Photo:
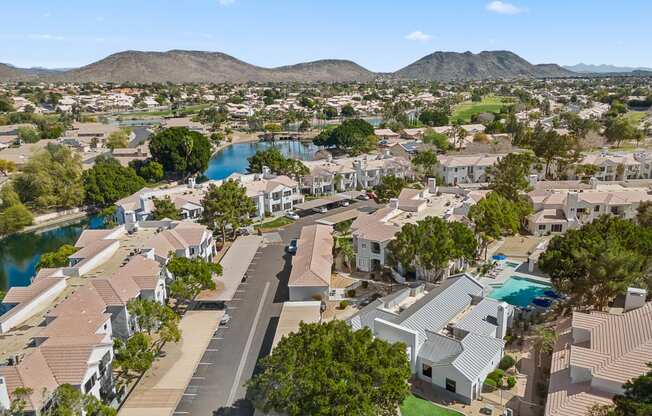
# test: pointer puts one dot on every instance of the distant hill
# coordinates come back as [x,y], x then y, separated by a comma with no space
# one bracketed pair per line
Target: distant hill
[603,69]
[195,66]
[180,66]
[450,66]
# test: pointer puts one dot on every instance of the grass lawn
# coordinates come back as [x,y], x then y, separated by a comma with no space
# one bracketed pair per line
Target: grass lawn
[467,109]
[635,117]
[275,223]
[415,406]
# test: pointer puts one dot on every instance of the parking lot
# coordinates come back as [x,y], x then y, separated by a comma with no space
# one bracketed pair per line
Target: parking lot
[230,358]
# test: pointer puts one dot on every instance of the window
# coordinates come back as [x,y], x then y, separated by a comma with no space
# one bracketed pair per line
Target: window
[542,227]
[451,385]
[426,370]
[556,228]
[596,208]
[89,384]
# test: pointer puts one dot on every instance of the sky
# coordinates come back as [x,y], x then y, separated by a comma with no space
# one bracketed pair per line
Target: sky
[381,35]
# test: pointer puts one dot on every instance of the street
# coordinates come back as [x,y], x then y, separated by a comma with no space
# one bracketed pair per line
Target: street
[217,386]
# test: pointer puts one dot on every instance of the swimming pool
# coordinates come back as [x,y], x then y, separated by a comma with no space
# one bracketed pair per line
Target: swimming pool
[519,291]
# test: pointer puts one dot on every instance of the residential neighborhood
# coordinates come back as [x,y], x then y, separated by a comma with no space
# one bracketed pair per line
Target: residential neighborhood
[183,232]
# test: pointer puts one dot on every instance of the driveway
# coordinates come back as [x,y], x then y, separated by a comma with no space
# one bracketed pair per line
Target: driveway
[231,356]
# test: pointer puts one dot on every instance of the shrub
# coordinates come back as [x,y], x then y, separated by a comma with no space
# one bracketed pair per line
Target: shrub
[490,385]
[506,362]
[511,382]
[350,293]
[343,304]
[497,376]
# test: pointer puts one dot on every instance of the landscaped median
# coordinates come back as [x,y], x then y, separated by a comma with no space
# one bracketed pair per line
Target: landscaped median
[416,406]
[273,224]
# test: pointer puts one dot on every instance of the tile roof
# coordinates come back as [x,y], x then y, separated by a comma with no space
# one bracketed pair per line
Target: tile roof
[312,264]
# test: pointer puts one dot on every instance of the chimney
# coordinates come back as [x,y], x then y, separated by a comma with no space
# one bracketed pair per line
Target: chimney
[191,182]
[533,179]
[503,320]
[143,202]
[571,205]
[393,203]
[387,154]
[634,299]
[267,172]
[432,185]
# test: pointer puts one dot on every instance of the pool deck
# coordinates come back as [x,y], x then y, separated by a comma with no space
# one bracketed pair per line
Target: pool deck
[508,272]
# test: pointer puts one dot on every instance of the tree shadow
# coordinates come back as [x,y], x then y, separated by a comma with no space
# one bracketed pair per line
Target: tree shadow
[282,290]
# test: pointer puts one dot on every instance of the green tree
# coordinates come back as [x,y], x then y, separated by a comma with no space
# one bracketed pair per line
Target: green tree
[165,208]
[227,206]
[495,216]
[133,356]
[551,146]
[108,181]
[7,166]
[619,130]
[430,245]
[426,162]
[329,112]
[118,139]
[6,104]
[390,187]
[14,218]
[593,264]
[152,316]
[347,111]
[353,136]
[149,170]
[52,178]
[328,369]
[644,214]
[438,139]
[277,163]
[544,342]
[509,176]
[273,128]
[57,258]
[67,400]
[345,249]
[28,134]
[8,196]
[180,151]
[191,276]
[434,117]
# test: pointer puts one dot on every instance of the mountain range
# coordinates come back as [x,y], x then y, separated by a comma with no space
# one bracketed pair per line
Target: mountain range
[180,66]
[604,69]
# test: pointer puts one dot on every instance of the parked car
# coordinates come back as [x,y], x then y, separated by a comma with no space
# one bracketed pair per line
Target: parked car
[321,209]
[292,247]
[344,203]
[363,197]
[371,194]
[292,215]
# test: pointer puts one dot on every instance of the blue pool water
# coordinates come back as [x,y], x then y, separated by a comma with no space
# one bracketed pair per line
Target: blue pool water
[519,291]
[233,158]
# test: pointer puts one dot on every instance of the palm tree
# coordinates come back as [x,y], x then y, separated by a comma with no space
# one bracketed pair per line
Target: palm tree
[544,342]
[345,249]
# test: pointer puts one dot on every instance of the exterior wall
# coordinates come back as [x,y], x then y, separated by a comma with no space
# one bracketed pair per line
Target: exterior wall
[395,333]
[28,310]
[121,323]
[607,386]
[463,386]
[365,256]
[307,292]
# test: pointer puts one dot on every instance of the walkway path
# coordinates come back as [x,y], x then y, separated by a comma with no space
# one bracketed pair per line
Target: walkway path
[163,386]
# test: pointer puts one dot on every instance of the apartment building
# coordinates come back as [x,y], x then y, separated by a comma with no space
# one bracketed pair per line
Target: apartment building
[180,238]
[453,334]
[463,169]
[272,195]
[312,264]
[596,353]
[619,166]
[558,210]
[140,205]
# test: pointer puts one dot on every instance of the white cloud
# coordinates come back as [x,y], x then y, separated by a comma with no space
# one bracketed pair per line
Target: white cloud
[225,2]
[418,36]
[504,8]
[45,36]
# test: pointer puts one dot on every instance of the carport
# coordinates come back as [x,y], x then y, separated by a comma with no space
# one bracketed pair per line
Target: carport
[339,217]
[327,200]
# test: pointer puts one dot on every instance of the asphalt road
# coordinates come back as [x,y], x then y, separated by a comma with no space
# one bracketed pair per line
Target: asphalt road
[217,387]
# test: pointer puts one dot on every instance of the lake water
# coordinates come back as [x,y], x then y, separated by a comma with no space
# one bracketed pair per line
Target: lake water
[233,158]
[20,253]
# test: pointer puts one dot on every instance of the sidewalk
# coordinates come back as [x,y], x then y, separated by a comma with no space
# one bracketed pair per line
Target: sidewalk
[161,388]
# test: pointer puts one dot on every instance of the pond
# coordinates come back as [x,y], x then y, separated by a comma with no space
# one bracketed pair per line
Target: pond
[20,253]
[233,158]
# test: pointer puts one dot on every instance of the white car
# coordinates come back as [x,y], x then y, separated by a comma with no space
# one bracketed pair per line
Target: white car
[321,210]
[292,215]
[345,203]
